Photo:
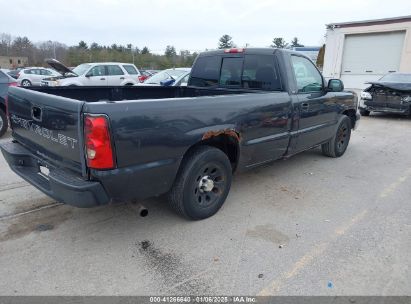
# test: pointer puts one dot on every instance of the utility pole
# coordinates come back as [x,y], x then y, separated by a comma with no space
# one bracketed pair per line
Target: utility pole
[132,51]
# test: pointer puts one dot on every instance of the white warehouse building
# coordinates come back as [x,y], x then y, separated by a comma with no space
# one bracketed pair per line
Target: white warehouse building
[357,52]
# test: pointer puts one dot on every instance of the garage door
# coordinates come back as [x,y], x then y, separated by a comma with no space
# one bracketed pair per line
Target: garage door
[367,57]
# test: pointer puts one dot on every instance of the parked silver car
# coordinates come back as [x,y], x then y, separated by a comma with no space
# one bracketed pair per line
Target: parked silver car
[33,76]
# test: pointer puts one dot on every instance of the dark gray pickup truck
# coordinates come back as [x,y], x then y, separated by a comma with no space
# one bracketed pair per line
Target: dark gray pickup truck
[242,108]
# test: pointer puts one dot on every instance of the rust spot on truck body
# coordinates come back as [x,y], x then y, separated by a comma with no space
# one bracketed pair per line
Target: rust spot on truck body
[229,132]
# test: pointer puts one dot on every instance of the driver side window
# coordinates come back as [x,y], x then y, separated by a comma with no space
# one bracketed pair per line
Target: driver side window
[99,70]
[307,76]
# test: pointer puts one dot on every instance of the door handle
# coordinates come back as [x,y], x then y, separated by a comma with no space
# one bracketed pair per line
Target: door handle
[121,78]
[102,79]
[305,105]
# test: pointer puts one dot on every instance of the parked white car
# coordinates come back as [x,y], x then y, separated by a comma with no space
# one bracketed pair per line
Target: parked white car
[93,74]
[33,76]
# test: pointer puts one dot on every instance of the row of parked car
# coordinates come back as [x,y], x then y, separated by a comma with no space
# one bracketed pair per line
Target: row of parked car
[97,74]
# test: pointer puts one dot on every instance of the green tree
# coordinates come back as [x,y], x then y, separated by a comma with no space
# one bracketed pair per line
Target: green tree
[170,51]
[279,42]
[295,42]
[225,42]
[94,46]
[82,45]
[145,50]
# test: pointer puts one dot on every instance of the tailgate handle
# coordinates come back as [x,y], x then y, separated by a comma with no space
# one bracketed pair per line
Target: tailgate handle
[36,113]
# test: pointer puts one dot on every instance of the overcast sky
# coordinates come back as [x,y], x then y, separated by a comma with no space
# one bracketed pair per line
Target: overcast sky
[187,24]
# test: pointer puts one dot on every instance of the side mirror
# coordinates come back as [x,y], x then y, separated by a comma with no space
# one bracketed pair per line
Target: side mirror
[335,85]
[88,75]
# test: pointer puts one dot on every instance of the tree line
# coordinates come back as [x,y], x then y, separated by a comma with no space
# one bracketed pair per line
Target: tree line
[82,52]
[226,42]
[75,55]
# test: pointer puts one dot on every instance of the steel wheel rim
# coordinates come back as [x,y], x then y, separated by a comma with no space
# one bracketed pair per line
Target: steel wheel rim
[25,83]
[211,174]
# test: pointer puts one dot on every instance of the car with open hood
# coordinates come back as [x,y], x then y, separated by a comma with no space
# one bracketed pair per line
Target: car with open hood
[390,94]
[93,74]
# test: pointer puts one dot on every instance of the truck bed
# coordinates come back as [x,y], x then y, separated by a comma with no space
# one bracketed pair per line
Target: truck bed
[115,93]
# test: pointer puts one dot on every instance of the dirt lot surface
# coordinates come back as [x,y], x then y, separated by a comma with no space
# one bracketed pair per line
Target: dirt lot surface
[310,225]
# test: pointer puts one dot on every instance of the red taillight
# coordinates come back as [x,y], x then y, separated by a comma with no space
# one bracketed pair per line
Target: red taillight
[99,151]
[234,51]
[141,78]
[13,84]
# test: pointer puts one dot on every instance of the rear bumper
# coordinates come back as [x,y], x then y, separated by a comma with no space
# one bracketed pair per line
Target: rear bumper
[61,185]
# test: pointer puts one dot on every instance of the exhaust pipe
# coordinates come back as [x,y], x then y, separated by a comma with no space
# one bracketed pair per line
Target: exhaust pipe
[141,210]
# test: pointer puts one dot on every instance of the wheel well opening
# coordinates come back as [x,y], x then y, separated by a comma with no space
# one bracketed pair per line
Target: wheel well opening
[352,115]
[3,107]
[226,143]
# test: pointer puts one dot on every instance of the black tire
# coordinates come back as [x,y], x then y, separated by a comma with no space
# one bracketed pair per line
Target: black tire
[364,112]
[337,146]
[3,123]
[190,196]
[26,83]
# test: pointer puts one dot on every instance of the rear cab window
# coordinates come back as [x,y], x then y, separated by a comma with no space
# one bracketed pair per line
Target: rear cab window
[251,72]
[206,71]
[231,70]
[261,73]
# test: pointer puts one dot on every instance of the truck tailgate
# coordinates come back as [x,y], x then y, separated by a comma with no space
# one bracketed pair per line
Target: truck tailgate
[49,126]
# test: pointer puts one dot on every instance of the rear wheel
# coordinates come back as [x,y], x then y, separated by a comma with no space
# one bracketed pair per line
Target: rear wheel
[26,83]
[202,184]
[337,146]
[3,123]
